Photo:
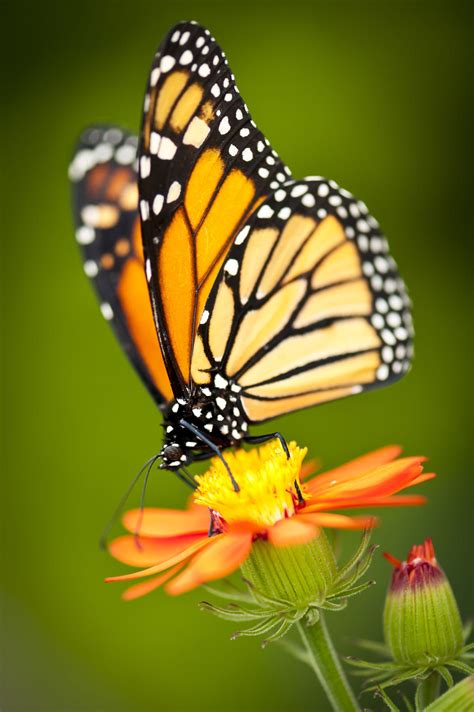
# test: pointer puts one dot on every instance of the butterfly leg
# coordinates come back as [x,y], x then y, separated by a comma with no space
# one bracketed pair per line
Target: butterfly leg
[185,477]
[212,446]
[269,436]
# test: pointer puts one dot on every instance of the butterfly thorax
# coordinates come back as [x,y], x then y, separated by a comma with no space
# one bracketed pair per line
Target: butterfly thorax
[215,412]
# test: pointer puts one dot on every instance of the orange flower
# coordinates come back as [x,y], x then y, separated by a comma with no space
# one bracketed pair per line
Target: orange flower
[275,502]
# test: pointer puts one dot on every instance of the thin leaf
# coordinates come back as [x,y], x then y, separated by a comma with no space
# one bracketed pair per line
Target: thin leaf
[380,692]
[409,675]
[230,614]
[279,633]
[467,630]
[357,662]
[357,589]
[260,629]
[353,561]
[446,675]
[463,667]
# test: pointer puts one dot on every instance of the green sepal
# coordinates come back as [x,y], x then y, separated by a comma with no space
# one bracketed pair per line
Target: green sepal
[289,584]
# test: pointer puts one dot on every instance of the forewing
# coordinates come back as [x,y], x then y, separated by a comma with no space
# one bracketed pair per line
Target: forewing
[309,305]
[105,204]
[204,167]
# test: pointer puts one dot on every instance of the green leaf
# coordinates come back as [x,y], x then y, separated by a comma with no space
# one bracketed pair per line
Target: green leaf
[390,704]
[446,675]
[345,570]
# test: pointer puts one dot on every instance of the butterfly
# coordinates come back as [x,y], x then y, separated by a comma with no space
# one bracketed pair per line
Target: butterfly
[238,293]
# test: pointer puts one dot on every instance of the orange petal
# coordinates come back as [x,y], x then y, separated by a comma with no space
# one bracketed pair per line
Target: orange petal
[356,467]
[339,521]
[294,530]
[145,551]
[403,500]
[223,556]
[385,480]
[166,564]
[141,589]
[308,468]
[167,522]
[423,478]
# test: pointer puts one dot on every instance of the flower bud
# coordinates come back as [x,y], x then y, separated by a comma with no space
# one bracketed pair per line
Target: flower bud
[421,618]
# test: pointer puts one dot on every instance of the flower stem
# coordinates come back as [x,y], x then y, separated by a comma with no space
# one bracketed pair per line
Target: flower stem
[325,663]
[429,690]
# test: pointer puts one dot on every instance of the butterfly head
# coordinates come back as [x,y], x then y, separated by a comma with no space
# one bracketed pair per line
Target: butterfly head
[173,456]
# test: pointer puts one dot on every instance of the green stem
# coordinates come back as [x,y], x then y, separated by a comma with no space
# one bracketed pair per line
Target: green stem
[325,663]
[429,690]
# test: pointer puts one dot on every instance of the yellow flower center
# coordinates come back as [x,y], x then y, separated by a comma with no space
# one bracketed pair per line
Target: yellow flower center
[266,478]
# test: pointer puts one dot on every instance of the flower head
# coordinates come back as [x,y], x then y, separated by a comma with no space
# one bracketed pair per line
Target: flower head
[421,618]
[275,503]
[420,568]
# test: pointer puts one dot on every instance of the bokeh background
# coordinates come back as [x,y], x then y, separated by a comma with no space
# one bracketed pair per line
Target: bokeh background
[372,94]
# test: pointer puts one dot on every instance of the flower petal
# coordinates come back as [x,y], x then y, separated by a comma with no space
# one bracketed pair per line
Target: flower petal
[224,555]
[145,551]
[141,589]
[423,478]
[349,470]
[167,522]
[288,532]
[339,521]
[403,500]
[308,468]
[166,564]
[385,480]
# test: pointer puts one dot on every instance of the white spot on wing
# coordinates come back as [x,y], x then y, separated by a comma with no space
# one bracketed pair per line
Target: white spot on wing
[224,126]
[158,204]
[174,192]
[167,63]
[219,381]
[167,149]
[231,267]
[196,133]
[90,268]
[85,235]
[107,311]
[265,212]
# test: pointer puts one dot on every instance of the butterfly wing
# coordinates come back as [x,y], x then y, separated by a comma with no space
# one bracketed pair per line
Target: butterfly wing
[204,167]
[308,307]
[105,203]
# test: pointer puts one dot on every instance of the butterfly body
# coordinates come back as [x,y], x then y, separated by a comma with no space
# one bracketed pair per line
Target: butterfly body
[214,412]
[238,293]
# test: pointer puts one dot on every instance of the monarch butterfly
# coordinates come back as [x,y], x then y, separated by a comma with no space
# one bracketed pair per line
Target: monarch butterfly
[238,293]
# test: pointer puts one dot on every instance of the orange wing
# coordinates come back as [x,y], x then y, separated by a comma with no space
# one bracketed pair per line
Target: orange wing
[204,167]
[108,230]
[309,305]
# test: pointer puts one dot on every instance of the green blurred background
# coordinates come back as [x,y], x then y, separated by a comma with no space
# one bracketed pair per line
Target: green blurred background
[372,94]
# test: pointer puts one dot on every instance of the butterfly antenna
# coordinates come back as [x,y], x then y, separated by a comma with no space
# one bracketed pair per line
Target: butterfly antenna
[138,526]
[214,449]
[121,504]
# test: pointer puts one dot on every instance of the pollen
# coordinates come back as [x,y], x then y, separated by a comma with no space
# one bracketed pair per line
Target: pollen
[269,482]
